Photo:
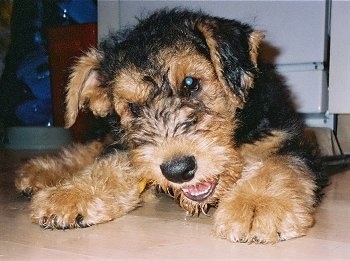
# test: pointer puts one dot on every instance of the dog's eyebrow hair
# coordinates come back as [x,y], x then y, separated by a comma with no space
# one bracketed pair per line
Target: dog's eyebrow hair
[148,78]
[157,88]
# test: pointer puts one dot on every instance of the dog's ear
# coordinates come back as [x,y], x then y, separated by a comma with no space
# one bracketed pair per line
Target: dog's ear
[233,50]
[84,89]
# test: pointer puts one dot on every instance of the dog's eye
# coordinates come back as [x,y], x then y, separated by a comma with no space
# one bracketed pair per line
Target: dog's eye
[190,85]
[135,109]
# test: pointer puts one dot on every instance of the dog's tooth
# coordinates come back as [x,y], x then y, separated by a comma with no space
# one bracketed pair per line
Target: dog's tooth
[203,187]
[198,190]
[194,191]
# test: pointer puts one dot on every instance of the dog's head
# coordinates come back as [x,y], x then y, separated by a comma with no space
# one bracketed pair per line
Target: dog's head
[175,80]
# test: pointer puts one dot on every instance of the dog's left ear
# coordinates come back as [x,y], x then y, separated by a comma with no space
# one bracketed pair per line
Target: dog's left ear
[84,90]
[234,53]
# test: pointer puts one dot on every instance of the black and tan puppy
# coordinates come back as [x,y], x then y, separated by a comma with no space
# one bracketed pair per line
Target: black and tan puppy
[194,114]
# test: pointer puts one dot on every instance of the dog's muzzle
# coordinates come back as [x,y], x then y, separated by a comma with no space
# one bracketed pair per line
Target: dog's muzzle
[183,169]
[180,169]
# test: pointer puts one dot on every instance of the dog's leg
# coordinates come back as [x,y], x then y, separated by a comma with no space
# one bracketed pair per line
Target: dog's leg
[102,192]
[273,201]
[47,171]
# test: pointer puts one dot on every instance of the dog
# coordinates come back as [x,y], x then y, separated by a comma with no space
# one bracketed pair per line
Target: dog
[193,112]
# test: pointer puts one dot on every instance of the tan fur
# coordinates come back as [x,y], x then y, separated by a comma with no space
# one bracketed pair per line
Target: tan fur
[48,171]
[264,148]
[260,196]
[206,29]
[274,199]
[255,39]
[101,192]
[131,86]
[84,90]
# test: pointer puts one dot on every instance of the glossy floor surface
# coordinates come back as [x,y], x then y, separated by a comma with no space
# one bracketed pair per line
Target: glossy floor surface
[161,231]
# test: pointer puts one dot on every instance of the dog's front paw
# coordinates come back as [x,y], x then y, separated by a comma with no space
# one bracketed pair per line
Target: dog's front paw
[32,177]
[261,220]
[68,207]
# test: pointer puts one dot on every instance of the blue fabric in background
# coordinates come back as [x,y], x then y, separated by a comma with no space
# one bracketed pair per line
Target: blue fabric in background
[25,77]
[81,11]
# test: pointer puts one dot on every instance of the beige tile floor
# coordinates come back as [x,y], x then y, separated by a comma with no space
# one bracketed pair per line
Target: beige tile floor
[161,231]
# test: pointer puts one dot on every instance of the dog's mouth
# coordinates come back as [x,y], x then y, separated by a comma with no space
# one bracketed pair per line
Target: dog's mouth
[200,191]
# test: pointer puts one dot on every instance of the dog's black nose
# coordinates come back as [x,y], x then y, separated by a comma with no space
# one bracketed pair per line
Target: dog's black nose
[180,169]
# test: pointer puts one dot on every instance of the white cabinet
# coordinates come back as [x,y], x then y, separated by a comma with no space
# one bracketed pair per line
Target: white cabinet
[339,70]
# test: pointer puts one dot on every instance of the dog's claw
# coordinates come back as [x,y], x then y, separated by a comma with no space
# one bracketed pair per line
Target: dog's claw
[27,192]
[55,222]
[43,222]
[80,221]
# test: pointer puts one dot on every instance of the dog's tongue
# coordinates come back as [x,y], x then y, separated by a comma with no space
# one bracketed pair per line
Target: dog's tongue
[199,191]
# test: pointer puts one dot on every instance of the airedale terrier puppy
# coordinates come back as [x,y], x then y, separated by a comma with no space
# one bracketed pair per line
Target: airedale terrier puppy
[193,112]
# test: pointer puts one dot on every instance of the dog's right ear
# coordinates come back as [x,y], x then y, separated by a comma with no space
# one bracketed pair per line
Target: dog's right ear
[233,49]
[84,90]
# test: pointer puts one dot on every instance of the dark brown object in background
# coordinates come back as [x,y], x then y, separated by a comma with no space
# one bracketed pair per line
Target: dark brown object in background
[65,45]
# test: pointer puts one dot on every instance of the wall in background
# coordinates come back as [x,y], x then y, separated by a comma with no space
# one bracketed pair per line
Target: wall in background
[339,64]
